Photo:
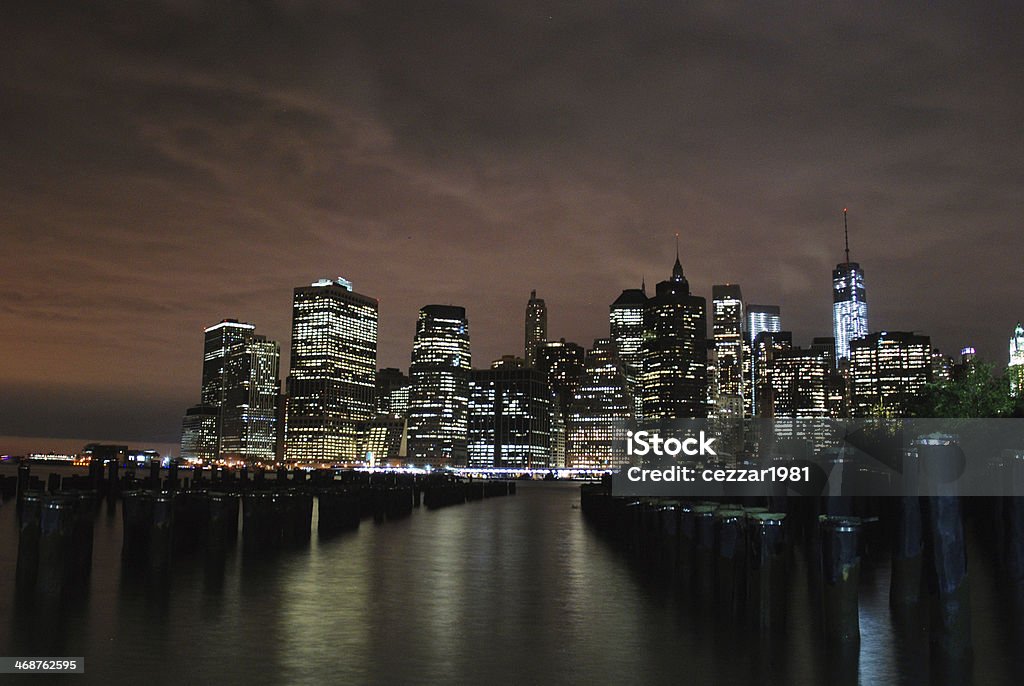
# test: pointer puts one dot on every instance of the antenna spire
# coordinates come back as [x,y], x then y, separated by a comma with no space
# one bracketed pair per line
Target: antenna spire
[846,236]
[677,246]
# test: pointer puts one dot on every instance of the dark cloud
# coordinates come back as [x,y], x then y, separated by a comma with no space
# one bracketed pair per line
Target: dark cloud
[169,164]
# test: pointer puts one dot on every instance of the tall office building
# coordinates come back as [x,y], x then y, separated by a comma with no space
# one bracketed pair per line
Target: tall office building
[799,385]
[674,378]
[626,324]
[727,350]
[331,383]
[600,414]
[767,347]
[536,327]
[439,395]
[849,303]
[249,418]
[237,418]
[219,339]
[1015,369]
[760,318]
[887,372]
[561,362]
[509,417]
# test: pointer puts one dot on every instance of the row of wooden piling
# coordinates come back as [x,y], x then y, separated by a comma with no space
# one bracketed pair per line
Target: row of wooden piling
[738,555]
[163,517]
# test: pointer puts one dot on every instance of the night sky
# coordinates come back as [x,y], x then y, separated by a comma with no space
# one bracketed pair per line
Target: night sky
[166,165]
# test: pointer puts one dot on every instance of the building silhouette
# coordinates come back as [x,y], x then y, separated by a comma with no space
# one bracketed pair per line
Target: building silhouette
[439,394]
[536,327]
[331,382]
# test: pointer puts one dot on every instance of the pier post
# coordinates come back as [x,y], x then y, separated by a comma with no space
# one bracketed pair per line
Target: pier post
[29,524]
[945,550]
[766,565]
[729,552]
[840,566]
[161,530]
[55,555]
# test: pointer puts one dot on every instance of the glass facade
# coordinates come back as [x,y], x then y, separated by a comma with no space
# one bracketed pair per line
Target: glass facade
[331,384]
[849,307]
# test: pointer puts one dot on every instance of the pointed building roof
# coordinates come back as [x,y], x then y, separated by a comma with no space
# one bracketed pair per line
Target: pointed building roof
[677,268]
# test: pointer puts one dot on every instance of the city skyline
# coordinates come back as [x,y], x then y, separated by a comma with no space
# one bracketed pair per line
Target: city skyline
[205,179]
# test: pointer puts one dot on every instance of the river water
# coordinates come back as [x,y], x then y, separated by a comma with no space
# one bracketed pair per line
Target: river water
[513,590]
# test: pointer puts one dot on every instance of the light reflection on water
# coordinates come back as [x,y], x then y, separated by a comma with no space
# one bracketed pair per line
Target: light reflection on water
[507,590]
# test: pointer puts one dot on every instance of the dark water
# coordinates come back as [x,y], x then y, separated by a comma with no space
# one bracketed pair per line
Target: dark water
[508,590]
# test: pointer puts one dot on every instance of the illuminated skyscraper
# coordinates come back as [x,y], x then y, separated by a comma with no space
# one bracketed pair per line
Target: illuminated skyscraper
[509,417]
[727,333]
[626,323]
[218,341]
[237,418]
[536,327]
[439,395]
[674,378]
[600,414]
[333,368]
[849,302]
[561,362]
[887,372]
[767,347]
[759,318]
[252,386]
[799,385]
[1015,370]
[762,318]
